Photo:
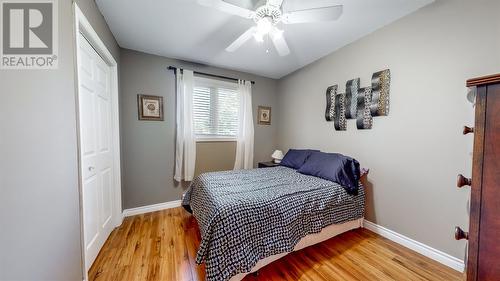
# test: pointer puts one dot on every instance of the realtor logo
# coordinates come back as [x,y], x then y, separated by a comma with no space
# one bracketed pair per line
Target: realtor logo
[29,34]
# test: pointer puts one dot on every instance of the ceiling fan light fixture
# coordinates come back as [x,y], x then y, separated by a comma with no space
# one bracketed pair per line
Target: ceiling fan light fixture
[264,26]
[259,37]
[267,16]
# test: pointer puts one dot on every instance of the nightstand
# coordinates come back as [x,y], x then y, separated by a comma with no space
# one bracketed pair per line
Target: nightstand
[268,164]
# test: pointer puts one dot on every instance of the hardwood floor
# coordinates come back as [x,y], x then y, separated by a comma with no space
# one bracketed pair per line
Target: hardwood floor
[163,245]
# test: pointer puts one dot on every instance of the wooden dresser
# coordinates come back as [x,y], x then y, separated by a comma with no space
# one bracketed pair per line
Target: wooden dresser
[483,263]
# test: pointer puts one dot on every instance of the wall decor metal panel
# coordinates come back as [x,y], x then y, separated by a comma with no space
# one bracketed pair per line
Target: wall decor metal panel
[339,119]
[381,82]
[364,118]
[330,102]
[351,98]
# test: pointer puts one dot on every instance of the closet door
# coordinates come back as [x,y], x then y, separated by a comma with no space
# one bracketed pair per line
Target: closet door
[96,152]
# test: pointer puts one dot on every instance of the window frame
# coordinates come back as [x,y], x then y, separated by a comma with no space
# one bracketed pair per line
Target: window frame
[211,83]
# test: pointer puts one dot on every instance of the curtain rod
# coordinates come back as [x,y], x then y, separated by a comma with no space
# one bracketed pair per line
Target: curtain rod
[211,75]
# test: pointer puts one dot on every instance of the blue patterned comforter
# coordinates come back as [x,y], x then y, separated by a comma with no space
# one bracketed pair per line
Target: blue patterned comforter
[248,215]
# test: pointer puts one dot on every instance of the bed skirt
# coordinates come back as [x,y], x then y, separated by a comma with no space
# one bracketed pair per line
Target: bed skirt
[309,240]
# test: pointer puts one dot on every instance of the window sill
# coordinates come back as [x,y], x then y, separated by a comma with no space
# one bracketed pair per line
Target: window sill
[215,139]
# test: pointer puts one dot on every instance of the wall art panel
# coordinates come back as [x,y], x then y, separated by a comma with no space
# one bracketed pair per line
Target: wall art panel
[351,98]
[381,82]
[339,120]
[331,92]
[364,118]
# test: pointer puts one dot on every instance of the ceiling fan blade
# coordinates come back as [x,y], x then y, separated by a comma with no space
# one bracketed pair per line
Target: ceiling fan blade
[313,15]
[247,4]
[241,40]
[299,5]
[227,8]
[280,44]
[274,3]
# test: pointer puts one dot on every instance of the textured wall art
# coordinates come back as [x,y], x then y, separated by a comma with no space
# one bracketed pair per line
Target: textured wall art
[339,120]
[381,82]
[330,102]
[364,119]
[358,103]
[351,98]
[335,108]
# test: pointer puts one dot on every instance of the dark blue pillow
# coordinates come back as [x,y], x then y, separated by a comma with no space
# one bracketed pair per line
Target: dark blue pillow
[295,158]
[333,167]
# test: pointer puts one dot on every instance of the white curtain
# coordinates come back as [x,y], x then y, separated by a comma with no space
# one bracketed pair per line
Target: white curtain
[244,145]
[185,144]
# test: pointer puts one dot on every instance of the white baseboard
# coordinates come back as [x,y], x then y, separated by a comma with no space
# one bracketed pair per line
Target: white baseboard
[416,246]
[151,208]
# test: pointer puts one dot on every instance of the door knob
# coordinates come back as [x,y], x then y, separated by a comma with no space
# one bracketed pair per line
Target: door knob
[468,130]
[460,234]
[91,168]
[461,181]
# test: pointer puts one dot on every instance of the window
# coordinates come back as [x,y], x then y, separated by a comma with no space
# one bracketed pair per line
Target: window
[215,109]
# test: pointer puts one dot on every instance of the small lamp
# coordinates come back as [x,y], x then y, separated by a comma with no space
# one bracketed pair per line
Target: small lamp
[277,156]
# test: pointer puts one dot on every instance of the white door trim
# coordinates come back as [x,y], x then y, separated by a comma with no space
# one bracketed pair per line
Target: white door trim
[82,25]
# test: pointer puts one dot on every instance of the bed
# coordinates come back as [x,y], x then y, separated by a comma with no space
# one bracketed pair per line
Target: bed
[249,218]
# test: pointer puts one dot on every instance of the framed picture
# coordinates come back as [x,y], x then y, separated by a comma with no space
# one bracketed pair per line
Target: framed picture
[150,107]
[264,115]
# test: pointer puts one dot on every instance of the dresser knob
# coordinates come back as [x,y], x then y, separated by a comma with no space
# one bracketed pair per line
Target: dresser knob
[460,234]
[468,130]
[461,181]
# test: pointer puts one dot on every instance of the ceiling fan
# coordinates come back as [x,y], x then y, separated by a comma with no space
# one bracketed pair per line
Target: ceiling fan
[268,16]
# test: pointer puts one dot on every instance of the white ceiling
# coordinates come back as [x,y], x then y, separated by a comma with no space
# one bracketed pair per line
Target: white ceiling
[182,29]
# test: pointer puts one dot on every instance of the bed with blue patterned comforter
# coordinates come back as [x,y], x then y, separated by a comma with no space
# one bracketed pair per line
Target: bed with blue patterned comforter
[247,215]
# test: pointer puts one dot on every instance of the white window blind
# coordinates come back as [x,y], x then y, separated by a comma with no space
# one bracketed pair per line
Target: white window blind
[215,108]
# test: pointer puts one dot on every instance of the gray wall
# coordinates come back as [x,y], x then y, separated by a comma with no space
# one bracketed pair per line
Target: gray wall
[149,146]
[415,153]
[39,202]
[212,156]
